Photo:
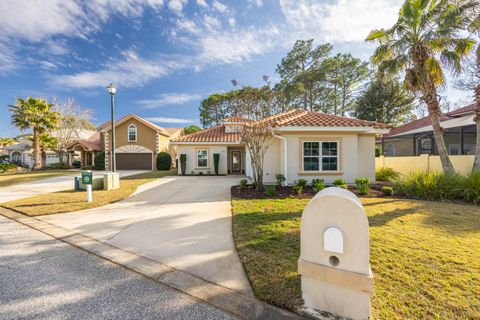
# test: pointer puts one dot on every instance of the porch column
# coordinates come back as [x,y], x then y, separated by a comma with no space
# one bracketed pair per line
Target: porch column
[462,149]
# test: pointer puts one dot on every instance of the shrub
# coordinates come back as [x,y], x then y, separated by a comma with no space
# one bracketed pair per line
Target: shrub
[471,187]
[340,183]
[164,161]
[183,163]
[301,182]
[363,185]
[431,185]
[216,162]
[318,184]
[243,184]
[57,166]
[99,161]
[6,167]
[386,174]
[270,190]
[298,189]
[280,179]
[378,151]
[388,191]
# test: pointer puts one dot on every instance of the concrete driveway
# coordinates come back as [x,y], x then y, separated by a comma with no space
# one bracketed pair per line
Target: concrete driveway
[29,189]
[183,222]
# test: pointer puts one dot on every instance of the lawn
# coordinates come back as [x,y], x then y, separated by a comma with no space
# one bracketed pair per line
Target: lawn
[67,201]
[425,256]
[15,178]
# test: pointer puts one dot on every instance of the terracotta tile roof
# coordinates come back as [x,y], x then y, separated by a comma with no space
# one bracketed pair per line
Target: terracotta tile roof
[107,125]
[425,121]
[92,143]
[214,134]
[236,119]
[295,117]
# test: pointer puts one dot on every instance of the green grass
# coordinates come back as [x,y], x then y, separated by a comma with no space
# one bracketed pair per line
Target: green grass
[7,180]
[425,256]
[67,201]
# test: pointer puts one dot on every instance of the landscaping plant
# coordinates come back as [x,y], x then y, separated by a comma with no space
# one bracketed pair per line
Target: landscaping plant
[280,179]
[318,185]
[298,189]
[270,191]
[99,161]
[183,163]
[431,185]
[471,187]
[7,167]
[388,191]
[363,185]
[243,184]
[386,174]
[301,182]
[164,161]
[340,183]
[216,162]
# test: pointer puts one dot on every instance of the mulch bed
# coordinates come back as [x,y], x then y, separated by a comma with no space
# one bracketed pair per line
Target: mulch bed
[287,192]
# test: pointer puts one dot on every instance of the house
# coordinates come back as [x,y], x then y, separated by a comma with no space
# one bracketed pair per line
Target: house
[137,143]
[416,137]
[306,145]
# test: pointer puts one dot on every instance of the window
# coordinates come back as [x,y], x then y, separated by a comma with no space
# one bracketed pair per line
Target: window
[202,158]
[132,132]
[320,156]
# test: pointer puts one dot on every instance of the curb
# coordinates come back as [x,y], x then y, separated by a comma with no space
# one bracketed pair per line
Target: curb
[234,302]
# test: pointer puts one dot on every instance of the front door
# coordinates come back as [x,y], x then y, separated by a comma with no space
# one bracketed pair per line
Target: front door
[236,161]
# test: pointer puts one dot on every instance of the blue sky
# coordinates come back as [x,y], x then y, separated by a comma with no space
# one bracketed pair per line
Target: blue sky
[165,56]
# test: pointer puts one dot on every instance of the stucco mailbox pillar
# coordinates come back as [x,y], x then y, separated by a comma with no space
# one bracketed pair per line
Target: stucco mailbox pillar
[334,261]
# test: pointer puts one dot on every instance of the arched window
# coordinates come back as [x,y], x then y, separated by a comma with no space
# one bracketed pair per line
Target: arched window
[132,132]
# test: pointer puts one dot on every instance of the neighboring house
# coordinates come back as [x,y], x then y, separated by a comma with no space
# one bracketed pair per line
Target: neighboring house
[307,145]
[22,154]
[416,137]
[137,143]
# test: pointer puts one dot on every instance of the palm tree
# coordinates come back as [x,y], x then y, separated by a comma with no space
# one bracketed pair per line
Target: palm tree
[5,142]
[426,37]
[35,114]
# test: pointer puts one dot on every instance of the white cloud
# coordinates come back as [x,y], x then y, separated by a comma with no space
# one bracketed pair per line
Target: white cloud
[232,22]
[169,99]
[132,72]
[211,23]
[217,5]
[48,65]
[340,21]
[258,3]
[177,5]
[170,120]
[202,3]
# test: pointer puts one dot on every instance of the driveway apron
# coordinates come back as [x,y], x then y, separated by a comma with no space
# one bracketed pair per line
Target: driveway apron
[183,222]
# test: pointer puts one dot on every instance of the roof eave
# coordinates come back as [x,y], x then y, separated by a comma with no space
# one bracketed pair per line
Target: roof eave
[333,129]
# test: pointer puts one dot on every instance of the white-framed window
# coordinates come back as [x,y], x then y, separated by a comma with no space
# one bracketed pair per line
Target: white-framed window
[132,132]
[320,156]
[202,158]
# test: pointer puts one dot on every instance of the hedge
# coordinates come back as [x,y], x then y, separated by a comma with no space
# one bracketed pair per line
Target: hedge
[164,161]
[99,161]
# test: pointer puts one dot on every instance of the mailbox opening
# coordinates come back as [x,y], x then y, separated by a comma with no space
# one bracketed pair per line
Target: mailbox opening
[334,261]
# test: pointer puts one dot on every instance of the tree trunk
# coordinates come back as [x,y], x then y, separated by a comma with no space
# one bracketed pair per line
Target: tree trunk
[476,162]
[305,101]
[434,113]
[37,152]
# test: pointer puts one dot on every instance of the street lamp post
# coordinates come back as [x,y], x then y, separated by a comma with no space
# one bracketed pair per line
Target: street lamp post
[112,90]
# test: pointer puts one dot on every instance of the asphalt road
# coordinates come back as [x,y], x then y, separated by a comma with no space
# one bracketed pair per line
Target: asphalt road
[43,278]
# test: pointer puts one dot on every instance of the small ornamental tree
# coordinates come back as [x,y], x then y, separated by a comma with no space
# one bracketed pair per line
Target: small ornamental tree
[216,162]
[183,163]
[164,161]
[99,161]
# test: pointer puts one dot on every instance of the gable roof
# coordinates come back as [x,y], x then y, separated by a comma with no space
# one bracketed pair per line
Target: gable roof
[426,121]
[291,118]
[106,125]
[92,143]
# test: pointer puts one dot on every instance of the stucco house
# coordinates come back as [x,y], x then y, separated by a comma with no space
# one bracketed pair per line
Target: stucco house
[307,145]
[416,137]
[137,143]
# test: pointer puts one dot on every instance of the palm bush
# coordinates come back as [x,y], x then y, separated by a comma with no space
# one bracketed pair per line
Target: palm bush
[431,185]
[270,191]
[318,184]
[280,179]
[301,182]
[471,187]
[243,184]
[340,183]
[388,191]
[386,174]
[363,185]
[298,189]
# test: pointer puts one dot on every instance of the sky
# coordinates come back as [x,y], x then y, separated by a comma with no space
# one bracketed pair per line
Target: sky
[165,56]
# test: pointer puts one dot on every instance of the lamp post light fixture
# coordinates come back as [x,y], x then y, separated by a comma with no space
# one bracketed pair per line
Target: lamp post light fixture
[112,90]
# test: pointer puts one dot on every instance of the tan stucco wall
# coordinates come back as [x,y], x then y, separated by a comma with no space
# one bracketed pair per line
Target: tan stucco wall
[272,161]
[354,163]
[405,165]
[190,151]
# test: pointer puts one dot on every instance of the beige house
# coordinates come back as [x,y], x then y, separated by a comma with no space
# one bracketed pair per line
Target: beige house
[307,145]
[137,143]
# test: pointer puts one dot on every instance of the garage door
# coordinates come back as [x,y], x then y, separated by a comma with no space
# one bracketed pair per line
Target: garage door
[134,161]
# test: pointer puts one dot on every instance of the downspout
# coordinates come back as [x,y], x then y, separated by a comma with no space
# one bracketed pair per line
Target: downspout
[285,153]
